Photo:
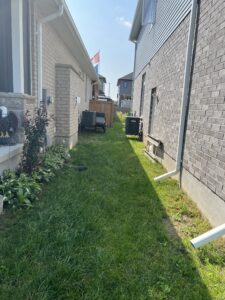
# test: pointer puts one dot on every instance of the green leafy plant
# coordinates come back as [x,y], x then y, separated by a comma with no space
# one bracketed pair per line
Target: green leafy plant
[53,160]
[35,136]
[18,191]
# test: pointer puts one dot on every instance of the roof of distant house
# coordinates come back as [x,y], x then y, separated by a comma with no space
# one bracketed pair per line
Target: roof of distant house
[128,77]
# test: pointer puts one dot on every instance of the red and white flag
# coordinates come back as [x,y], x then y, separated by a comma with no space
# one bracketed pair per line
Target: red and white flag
[96,58]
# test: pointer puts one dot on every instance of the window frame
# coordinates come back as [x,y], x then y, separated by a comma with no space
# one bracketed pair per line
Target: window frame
[153,104]
[6,62]
[142,94]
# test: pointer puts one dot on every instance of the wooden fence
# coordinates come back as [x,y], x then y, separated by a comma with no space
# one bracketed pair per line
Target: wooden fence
[106,107]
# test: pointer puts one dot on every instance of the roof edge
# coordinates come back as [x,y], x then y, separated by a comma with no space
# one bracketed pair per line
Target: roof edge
[86,55]
[136,24]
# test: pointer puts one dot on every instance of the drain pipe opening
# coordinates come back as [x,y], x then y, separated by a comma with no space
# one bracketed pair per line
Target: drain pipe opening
[209,236]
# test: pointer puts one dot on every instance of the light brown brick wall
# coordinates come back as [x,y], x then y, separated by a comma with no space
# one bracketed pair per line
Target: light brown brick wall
[56,52]
[67,85]
[19,104]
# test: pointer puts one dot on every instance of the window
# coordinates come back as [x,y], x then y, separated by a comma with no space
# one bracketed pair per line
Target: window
[149,12]
[142,94]
[6,75]
[125,84]
[26,47]
[152,110]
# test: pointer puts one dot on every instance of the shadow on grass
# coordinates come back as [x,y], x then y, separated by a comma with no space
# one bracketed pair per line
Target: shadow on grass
[100,234]
[149,259]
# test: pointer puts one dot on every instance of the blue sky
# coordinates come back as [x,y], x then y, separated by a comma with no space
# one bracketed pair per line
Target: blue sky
[105,25]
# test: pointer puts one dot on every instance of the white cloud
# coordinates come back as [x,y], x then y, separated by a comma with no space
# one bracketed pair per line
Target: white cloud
[124,22]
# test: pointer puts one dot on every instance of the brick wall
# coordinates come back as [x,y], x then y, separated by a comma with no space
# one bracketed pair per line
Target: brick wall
[204,153]
[164,72]
[205,139]
[66,120]
[56,52]
[19,104]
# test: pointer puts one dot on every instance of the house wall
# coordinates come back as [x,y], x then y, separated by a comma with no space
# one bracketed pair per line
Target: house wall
[125,91]
[165,72]
[205,140]
[203,177]
[66,105]
[56,52]
[169,14]
[19,104]
[10,156]
[86,96]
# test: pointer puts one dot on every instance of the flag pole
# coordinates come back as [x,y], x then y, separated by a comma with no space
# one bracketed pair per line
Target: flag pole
[99,62]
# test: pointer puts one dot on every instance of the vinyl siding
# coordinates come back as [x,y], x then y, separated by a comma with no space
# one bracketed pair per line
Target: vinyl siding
[169,15]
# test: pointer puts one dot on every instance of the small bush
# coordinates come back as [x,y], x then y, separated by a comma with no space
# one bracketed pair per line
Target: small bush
[18,191]
[21,190]
[35,136]
[53,160]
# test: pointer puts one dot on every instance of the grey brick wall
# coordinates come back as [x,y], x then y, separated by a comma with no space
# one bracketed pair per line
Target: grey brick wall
[205,139]
[204,155]
[165,72]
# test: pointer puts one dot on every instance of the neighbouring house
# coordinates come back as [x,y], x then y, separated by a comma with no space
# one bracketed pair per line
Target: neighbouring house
[101,89]
[179,89]
[43,60]
[102,83]
[124,97]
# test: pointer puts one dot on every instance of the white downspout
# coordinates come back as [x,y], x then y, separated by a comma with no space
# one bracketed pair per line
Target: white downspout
[43,21]
[209,236]
[186,87]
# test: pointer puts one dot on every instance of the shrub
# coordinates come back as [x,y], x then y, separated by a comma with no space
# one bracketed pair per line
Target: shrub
[18,191]
[35,138]
[53,160]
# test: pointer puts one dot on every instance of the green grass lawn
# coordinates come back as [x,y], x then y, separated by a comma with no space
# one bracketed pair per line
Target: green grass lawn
[109,233]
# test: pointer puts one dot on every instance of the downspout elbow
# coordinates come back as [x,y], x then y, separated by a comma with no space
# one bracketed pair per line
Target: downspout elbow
[209,236]
[167,175]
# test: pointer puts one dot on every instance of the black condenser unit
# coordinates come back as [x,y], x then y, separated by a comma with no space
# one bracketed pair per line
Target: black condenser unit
[132,125]
[100,121]
[88,119]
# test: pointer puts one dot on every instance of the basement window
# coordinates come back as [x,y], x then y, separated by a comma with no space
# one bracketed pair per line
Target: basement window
[149,12]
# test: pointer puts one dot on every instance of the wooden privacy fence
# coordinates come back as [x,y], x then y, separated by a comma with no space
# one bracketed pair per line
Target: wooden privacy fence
[106,107]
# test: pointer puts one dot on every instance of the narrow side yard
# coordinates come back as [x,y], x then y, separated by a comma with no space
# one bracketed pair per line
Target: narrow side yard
[109,233]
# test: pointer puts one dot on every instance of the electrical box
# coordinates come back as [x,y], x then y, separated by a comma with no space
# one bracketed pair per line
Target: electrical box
[77,100]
